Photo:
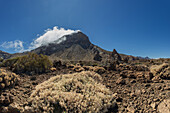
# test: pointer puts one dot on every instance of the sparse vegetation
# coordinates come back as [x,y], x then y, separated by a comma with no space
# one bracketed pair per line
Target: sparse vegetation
[7,79]
[162,70]
[99,70]
[1,59]
[78,92]
[29,64]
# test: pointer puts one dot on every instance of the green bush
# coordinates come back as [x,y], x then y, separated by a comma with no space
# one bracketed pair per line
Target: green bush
[29,64]
[1,59]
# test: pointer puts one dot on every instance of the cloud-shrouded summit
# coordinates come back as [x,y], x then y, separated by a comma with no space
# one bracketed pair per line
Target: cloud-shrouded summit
[51,36]
[55,35]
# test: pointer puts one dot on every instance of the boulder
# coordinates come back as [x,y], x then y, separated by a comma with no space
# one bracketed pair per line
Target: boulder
[164,107]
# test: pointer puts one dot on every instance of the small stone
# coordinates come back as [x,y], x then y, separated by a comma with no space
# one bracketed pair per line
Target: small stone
[119,99]
[143,91]
[147,85]
[132,95]
[120,81]
[34,83]
[125,105]
[131,76]
[131,109]
[114,95]
[156,100]
[133,81]
[2,85]
[153,105]
[149,76]
[33,78]
[28,109]
[27,86]
[167,88]
[113,107]
[158,87]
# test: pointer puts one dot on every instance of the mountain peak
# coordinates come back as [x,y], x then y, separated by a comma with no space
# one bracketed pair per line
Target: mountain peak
[78,38]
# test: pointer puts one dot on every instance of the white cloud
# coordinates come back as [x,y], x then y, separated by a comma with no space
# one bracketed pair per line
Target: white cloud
[55,35]
[51,36]
[17,45]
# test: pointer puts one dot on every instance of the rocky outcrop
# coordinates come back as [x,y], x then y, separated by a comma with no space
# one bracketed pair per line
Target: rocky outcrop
[97,57]
[115,56]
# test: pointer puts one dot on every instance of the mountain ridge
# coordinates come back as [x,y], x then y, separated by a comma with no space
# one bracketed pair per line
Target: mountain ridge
[76,46]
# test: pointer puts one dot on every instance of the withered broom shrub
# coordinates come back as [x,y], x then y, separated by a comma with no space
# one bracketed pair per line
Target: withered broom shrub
[162,70]
[78,93]
[7,79]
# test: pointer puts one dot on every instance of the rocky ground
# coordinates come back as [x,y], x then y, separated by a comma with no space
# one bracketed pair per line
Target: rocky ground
[133,96]
[137,89]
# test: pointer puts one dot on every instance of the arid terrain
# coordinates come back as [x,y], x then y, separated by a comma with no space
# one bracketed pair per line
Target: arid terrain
[81,77]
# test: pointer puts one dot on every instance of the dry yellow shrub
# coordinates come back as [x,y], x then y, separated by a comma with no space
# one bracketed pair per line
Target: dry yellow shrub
[162,70]
[88,68]
[158,68]
[7,79]
[53,69]
[78,92]
[99,70]
[78,69]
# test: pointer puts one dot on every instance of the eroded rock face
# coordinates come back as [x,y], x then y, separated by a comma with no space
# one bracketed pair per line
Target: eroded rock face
[97,57]
[164,107]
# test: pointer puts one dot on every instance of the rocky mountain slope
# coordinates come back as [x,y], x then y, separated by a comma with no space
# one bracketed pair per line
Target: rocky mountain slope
[4,55]
[76,47]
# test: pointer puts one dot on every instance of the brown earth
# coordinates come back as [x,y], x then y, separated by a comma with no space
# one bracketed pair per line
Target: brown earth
[135,88]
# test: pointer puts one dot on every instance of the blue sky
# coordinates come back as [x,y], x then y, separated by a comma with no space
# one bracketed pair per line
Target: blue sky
[134,27]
